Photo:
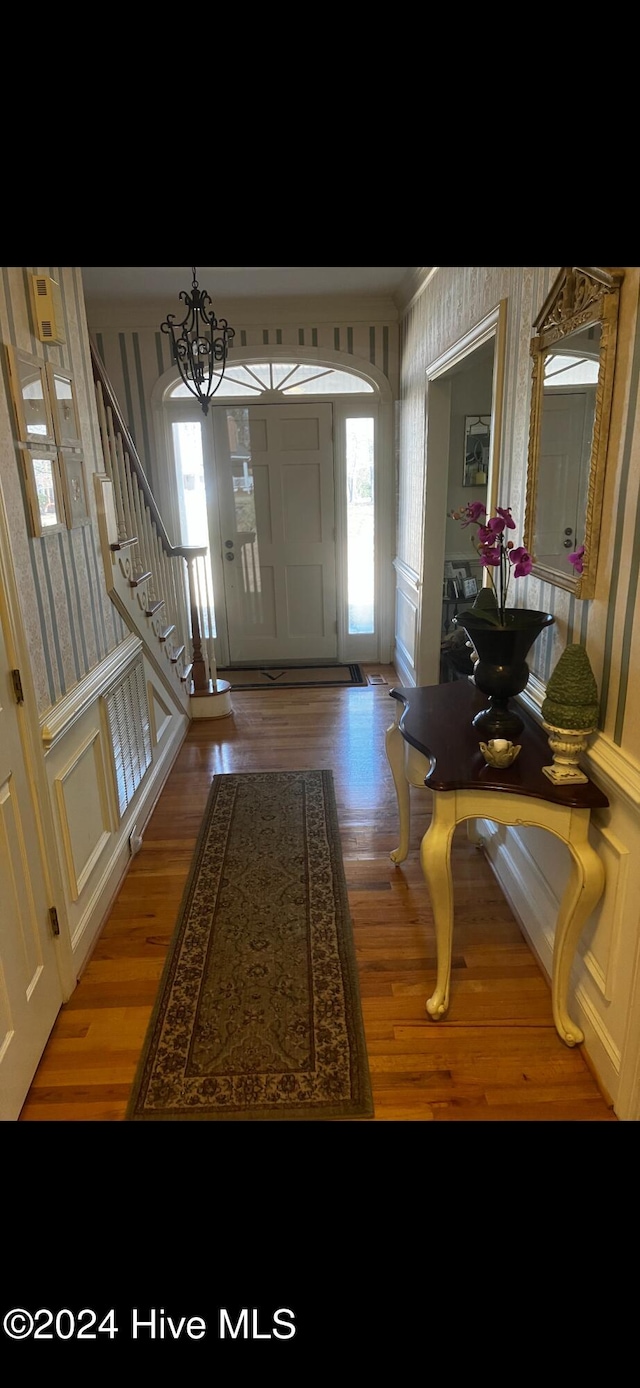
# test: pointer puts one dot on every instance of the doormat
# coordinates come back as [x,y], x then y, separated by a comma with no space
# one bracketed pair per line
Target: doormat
[258,1013]
[293,676]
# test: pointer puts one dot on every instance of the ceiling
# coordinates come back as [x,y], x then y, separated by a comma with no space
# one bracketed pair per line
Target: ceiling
[238,281]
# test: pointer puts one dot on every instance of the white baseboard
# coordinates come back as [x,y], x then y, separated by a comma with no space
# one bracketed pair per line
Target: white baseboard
[406,676]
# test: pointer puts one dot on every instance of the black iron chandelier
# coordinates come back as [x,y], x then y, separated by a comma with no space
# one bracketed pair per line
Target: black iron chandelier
[200,344]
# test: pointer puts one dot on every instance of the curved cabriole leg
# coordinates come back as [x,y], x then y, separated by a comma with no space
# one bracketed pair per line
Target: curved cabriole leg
[394,743]
[435,858]
[581,896]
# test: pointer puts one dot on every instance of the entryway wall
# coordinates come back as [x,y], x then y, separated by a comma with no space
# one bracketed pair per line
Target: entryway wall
[357,334]
[530,865]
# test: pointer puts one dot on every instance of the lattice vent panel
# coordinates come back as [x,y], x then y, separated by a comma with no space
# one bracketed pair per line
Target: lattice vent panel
[128,715]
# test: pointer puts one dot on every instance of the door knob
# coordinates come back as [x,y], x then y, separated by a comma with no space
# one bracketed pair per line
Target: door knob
[228,555]
[566,543]
[228,544]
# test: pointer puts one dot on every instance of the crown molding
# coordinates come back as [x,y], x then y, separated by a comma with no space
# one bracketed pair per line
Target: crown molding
[412,286]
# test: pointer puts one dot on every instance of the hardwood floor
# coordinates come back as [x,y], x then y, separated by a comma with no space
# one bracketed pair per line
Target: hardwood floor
[496,1057]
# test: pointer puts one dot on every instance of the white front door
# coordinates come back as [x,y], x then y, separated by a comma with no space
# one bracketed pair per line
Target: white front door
[274,466]
[30,991]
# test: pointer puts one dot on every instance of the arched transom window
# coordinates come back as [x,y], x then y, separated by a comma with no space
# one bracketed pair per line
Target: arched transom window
[286,379]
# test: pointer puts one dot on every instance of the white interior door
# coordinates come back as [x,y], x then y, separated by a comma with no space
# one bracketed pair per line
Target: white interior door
[274,466]
[565,447]
[30,991]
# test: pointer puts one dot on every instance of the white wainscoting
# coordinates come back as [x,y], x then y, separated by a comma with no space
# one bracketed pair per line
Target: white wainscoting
[408,588]
[531,867]
[83,811]
[92,836]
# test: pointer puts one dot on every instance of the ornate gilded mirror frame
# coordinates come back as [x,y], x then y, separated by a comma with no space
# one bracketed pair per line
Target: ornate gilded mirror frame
[580,298]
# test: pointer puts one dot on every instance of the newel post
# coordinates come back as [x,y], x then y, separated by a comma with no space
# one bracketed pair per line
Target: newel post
[199,673]
[210,697]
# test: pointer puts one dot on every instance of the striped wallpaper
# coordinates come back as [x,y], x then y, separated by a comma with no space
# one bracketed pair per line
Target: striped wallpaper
[135,359]
[69,620]
[453,301]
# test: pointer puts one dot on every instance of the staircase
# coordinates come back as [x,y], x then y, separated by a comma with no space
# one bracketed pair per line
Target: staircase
[161,590]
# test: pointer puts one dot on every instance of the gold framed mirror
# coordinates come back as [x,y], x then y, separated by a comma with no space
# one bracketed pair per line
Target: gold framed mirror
[573,351]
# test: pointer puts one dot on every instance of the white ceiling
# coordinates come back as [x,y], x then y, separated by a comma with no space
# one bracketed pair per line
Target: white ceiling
[237,281]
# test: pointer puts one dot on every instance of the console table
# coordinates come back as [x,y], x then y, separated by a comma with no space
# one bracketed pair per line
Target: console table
[432,743]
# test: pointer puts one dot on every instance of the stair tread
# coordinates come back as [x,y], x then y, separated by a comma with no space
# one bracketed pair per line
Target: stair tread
[124,544]
[139,578]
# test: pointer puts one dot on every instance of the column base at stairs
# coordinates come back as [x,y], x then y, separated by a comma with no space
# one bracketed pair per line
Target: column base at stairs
[214,702]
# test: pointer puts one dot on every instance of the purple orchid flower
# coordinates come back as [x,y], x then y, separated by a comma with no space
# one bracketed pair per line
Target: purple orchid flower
[521,560]
[488,534]
[505,513]
[470,515]
[576,559]
[489,557]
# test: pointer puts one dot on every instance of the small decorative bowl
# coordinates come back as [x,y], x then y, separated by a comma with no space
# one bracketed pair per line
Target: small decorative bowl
[499,752]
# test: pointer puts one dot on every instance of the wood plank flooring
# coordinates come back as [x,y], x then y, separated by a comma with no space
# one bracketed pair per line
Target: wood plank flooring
[496,1057]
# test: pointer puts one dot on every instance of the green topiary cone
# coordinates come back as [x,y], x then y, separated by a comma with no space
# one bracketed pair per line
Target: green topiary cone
[572,693]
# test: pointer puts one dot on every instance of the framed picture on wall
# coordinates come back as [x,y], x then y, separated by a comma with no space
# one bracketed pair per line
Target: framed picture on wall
[30,394]
[64,407]
[74,485]
[45,495]
[477,436]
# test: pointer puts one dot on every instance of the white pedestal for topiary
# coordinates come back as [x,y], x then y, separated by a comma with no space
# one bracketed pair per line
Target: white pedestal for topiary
[566,745]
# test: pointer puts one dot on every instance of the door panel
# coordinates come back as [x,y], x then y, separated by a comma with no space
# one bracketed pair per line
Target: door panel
[30,991]
[566,431]
[275,484]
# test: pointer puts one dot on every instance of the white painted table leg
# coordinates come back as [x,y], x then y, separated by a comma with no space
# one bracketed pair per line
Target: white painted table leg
[395,745]
[581,896]
[435,859]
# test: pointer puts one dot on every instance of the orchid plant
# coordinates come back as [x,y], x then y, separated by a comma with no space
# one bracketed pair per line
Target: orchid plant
[498,555]
[502,559]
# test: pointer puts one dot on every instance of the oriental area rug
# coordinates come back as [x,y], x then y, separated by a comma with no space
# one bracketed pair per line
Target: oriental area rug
[293,676]
[258,1011]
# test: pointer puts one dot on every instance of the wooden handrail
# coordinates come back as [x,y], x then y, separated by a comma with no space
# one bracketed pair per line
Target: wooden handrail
[187,552]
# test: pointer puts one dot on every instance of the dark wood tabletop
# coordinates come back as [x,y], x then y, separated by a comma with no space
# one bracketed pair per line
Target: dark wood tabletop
[437,720]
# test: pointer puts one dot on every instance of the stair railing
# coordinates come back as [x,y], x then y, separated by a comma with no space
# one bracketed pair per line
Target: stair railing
[174,578]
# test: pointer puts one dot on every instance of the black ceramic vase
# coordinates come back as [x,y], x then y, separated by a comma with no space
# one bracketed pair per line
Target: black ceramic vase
[501,670]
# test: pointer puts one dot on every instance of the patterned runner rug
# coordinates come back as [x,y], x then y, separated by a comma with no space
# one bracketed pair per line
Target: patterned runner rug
[293,676]
[258,1011]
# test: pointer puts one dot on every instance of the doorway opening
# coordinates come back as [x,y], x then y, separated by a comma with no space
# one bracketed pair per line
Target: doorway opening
[465,391]
[289,482]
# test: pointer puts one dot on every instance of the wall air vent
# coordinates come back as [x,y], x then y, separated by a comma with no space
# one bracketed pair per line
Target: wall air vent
[128,716]
[47,309]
